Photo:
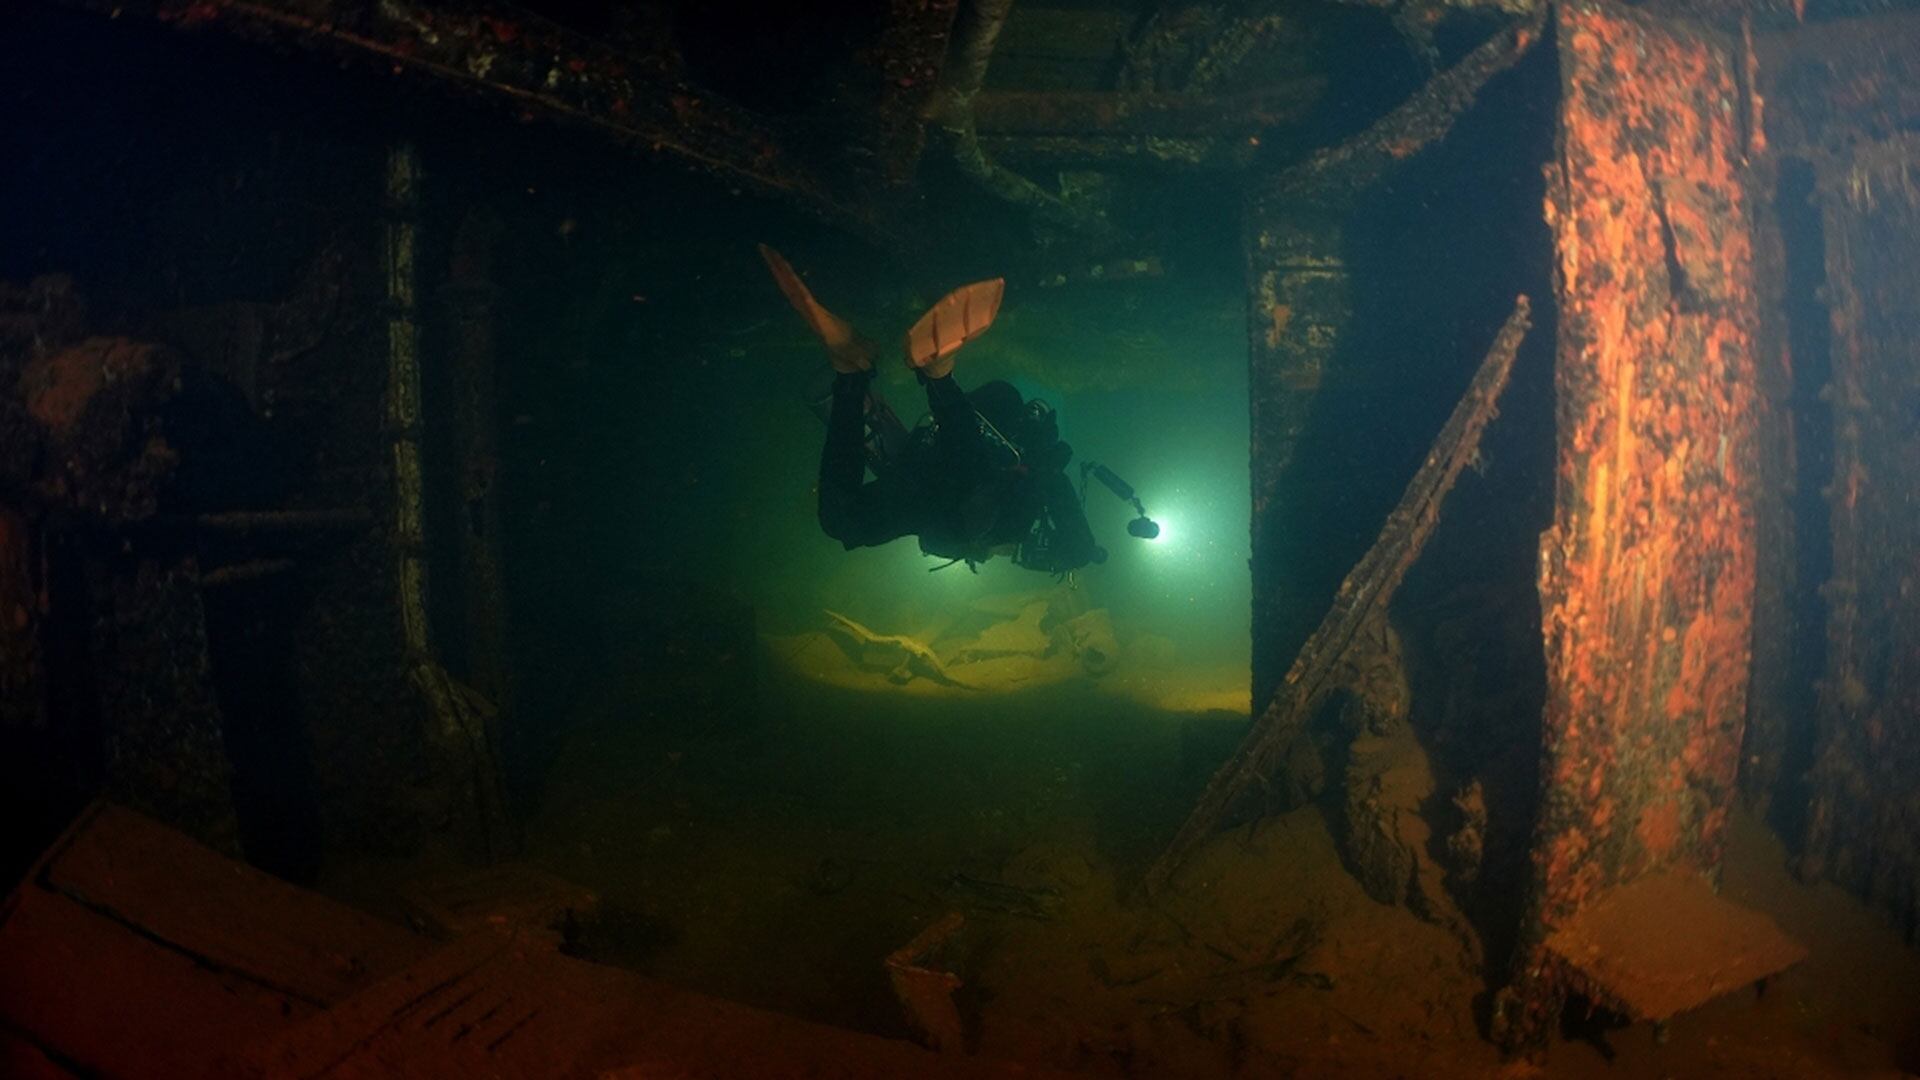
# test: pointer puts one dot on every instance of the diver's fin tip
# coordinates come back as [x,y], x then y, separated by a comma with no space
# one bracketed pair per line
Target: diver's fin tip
[959,317]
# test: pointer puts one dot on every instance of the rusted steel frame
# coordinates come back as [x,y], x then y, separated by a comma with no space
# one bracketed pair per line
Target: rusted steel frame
[542,68]
[1363,598]
[1334,176]
[1029,112]
[1863,802]
[952,109]
[1646,576]
[1829,90]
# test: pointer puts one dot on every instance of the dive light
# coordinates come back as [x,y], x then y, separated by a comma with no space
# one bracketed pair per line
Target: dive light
[1141,527]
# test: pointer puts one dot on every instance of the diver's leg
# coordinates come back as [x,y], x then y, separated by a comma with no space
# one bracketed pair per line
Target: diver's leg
[961,442]
[949,405]
[856,513]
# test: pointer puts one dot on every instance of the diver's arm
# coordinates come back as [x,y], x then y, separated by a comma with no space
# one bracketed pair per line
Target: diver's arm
[1073,543]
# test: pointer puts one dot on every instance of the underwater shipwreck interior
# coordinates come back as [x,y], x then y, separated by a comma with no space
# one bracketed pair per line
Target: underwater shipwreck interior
[1412,571]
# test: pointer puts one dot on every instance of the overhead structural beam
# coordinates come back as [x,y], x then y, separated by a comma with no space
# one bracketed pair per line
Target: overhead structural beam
[975,35]
[1165,132]
[541,68]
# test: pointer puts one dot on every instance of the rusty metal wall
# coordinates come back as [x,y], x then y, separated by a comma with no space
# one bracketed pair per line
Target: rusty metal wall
[1647,574]
[1864,822]
[1843,101]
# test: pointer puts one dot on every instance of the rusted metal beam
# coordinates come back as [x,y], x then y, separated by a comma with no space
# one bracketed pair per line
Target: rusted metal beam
[952,110]
[1646,576]
[1845,98]
[1336,175]
[543,69]
[1362,599]
[1019,112]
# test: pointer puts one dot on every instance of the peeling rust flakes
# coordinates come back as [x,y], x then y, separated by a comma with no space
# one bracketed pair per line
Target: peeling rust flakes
[1647,573]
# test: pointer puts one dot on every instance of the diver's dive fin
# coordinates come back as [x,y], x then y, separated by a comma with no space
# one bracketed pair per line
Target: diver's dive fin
[848,351]
[959,317]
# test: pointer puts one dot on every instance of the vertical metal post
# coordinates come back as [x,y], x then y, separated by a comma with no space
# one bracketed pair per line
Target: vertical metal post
[460,716]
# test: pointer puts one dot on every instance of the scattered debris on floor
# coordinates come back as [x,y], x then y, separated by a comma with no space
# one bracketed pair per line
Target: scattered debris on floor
[236,974]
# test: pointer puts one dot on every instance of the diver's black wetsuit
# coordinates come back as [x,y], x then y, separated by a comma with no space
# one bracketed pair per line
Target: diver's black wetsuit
[963,494]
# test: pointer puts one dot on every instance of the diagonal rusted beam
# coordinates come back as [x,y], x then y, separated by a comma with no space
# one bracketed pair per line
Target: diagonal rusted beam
[975,36]
[1339,173]
[1363,596]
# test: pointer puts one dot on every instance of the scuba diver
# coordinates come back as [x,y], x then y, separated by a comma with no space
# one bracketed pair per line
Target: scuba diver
[984,475]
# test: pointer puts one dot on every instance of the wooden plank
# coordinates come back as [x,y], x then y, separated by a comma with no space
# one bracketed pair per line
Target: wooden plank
[486,1005]
[109,999]
[133,952]
[23,1059]
[505,1006]
[1666,944]
[224,915]
[511,895]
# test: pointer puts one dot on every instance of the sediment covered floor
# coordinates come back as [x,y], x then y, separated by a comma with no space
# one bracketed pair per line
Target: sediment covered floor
[779,861]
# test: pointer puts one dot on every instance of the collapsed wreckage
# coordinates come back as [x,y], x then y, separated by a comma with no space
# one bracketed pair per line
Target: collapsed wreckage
[283,343]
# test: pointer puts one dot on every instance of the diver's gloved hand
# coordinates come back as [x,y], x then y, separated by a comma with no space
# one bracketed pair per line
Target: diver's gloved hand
[846,349]
[959,317]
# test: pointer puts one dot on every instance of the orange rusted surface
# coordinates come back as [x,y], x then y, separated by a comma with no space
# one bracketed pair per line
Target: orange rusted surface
[1647,574]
